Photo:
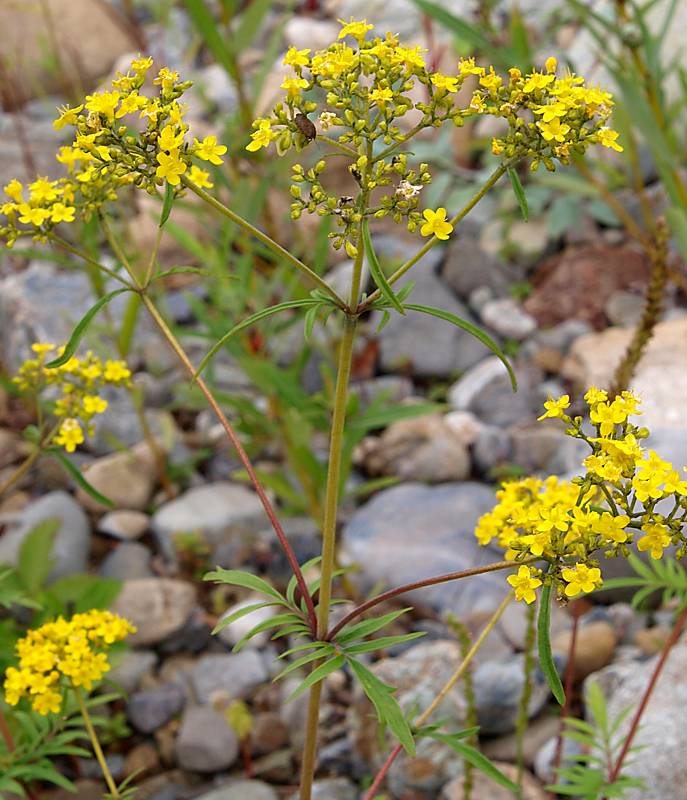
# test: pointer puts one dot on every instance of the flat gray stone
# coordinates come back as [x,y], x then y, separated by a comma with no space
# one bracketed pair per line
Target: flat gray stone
[205,742]
[158,607]
[242,790]
[128,561]
[233,676]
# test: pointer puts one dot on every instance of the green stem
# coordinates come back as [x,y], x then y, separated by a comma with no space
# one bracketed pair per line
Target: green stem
[328,542]
[109,780]
[465,210]
[153,256]
[85,257]
[21,470]
[334,143]
[265,239]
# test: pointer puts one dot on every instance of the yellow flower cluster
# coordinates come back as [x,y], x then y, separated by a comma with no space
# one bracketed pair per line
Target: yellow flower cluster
[63,654]
[361,87]
[77,383]
[613,505]
[108,152]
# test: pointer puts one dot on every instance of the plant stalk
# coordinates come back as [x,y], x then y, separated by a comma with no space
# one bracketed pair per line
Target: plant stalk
[97,750]
[21,470]
[438,700]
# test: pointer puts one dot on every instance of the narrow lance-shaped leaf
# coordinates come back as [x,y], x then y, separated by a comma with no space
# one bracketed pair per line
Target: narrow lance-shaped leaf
[317,675]
[378,273]
[470,328]
[519,193]
[245,580]
[75,472]
[82,326]
[544,643]
[477,759]
[167,204]
[264,314]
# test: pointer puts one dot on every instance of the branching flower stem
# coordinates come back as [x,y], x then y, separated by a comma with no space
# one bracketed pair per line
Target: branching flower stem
[438,700]
[97,749]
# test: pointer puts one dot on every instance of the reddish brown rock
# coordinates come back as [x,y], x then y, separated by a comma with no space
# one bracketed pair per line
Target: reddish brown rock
[577,283]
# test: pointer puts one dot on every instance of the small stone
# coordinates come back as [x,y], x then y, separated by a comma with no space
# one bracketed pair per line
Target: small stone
[128,561]
[465,425]
[546,448]
[231,677]
[560,337]
[303,31]
[332,789]
[210,511]
[71,544]
[491,451]
[507,318]
[625,308]
[241,790]
[529,239]
[484,788]
[141,760]
[234,632]
[543,761]
[10,446]
[131,668]
[594,647]
[158,607]
[393,388]
[205,742]
[469,267]
[217,87]
[418,449]
[505,748]
[651,640]
[124,525]
[126,478]
[150,709]
[269,733]
[498,688]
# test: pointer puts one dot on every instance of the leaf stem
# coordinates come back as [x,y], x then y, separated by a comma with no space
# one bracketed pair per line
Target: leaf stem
[409,587]
[85,257]
[97,750]
[276,248]
[243,456]
[446,688]
[21,470]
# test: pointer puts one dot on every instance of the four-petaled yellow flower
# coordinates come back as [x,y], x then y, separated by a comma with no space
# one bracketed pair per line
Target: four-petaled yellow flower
[262,136]
[656,538]
[581,579]
[70,435]
[14,189]
[68,116]
[607,138]
[381,96]
[355,28]
[296,58]
[536,81]
[446,82]
[116,372]
[294,86]
[59,212]
[524,584]
[209,150]
[554,130]
[34,216]
[169,139]
[171,167]
[556,408]
[436,224]
[103,103]
[200,177]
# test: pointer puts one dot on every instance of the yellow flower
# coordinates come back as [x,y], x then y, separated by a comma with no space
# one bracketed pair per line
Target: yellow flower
[554,130]
[296,58]
[607,138]
[33,216]
[294,86]
[209,150]
[103,103]
[142,64]
[116,372]
[171,167]
[356,29]
[611,527]
[551,64]
[166,78]
[69,435]
[381,96]
[200,177]
[551,111]
[536,80]
[595,396]
[491,82]
[581,578]
[655,540]
[556,408]
[59,212]
[43,190]
[14,190]
[466,66]
[446,82]
[436,224]
[524,584]
[131,104]
[68,116]
[496,147]
[92,404]
[169,139]
[262,136]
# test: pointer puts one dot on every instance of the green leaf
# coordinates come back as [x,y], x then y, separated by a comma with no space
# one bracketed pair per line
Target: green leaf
[274,622]
[217,44]
[82,326]
[519,193]
[477,759]
[470,328]
[264,314]
[378,273]
[241,612]
[383,642]
[246,580]
[317,675]
[187,270]
[34,562]
[544,644]
[362,629]
[321,652]
[167,204]
[75,472]
[388,710]
[81,593]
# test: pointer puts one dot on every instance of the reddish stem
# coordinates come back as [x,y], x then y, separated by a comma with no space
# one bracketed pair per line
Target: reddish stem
[576,610]
[409,587]
[675,634]
[393,755]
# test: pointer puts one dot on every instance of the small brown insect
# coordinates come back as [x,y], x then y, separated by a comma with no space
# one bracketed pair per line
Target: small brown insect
[305,126]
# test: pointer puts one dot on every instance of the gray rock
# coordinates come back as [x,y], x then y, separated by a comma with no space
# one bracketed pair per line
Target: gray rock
[484,788]
[545,448]
[486,391]
[306,31]
[560,337]
[121,425]
[543,761]
[402,17]
[418,674]
[393,388]
[126,478]
[507,318]
[498,688]
[205,742]
[418,449]
[242,790]
[232,676]
[72,540]
[124,524]
[209,510]
[410,532]
[158,607]
[431,346]
[233,633]
[662,738]
[132,667]
[469,267]
[624,308]
[491,450]
[150,709]
[128,561]
[218,88]
[332,789]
